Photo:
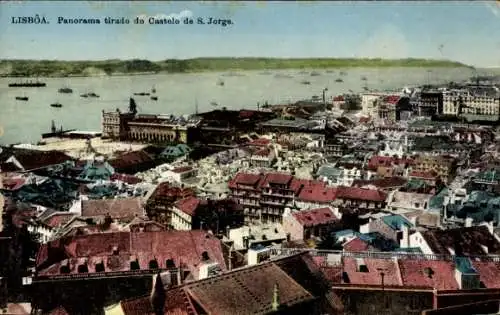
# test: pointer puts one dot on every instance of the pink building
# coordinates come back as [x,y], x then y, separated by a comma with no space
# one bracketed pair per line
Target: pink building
[307,224]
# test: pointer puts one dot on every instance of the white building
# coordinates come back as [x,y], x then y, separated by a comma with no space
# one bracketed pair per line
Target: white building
[183,212]
[369,103]
[471,104]
[258,234]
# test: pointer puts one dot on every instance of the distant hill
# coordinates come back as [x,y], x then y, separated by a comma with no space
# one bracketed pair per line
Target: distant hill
[138,66]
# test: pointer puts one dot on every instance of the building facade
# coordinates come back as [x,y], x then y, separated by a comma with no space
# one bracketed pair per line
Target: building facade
[144,128]
[470,104]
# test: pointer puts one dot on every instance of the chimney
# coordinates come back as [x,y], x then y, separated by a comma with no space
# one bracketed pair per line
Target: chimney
[158,296]
[468,222]
[276,298]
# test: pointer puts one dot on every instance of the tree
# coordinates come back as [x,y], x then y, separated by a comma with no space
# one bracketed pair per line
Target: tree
[329,241]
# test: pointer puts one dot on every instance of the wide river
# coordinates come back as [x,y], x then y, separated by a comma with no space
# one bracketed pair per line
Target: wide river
[24,121]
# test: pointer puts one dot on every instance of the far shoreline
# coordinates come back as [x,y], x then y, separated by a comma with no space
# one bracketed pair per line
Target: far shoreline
[200,71]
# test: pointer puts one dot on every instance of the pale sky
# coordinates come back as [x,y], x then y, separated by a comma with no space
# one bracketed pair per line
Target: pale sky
[467,32]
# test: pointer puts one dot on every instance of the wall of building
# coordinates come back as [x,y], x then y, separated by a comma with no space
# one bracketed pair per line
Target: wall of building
[293,228]
[88,296]
[416,240]
[377,301]
[181,220]
[384,229]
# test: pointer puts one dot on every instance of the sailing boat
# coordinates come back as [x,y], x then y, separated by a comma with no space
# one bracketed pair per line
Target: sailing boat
[154,97]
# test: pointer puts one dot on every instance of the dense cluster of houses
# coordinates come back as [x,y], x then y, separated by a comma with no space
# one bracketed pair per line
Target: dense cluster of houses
[380,217]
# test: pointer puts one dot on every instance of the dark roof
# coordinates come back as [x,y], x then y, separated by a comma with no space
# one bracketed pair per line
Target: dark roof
[120,209]
[130,159]
[116,250]
[464,241]
[247,290]
[386,182]
[34,159]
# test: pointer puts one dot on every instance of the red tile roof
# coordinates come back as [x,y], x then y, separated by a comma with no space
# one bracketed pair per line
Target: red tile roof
[13,183]
[129,179]
[436,274]
[130,159]
[260,142]
[315,217]
[424,175]
[374,268]
[58,311]
[263,152]
[188,205]
[33,159]
[392,99]
[387,161]
[387,182]
[277,178]
[338,98]
[489,273]
[356,245]
[248,291]
[58,219]
[317,194]
[164,189]
[354,193]
[185,248]
[245,179]
[298,185]
[177,302]
[119,209]
[364,120]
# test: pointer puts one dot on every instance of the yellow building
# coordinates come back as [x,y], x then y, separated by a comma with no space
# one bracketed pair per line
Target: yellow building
[144,128]
[471,104]
[443,166]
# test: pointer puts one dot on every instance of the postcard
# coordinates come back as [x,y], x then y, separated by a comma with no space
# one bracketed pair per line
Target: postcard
[249,157]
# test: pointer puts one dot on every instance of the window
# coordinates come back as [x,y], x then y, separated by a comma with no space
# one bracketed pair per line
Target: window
[134,265]
[153,264]
[83,268]
[99,267]
[170,263]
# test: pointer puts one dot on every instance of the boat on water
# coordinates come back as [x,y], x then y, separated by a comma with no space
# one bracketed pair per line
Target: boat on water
[306,82]
[154,98]
[339,80]
[57,105]
[28,84]
[142,94]
[21,98]
[91,94]
[315,74]
[283,76]
[214,104]
[153,90]
[65,90]
[220,83]
[363,79]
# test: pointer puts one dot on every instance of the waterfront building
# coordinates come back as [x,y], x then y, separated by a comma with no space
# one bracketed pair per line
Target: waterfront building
[145,128]
[463,102]
[430,103]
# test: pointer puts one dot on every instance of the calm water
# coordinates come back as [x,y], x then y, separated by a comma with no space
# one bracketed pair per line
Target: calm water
[177,94]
